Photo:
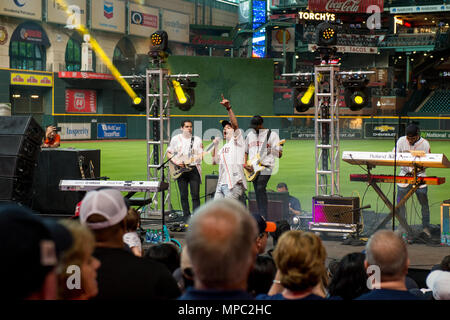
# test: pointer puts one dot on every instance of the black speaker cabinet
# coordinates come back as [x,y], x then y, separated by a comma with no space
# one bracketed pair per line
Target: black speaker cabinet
[20,141]
[210,186]
[277,205]
[332,209]
[59,164]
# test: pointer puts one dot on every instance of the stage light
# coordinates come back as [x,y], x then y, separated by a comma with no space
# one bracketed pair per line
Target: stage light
[356,93]
[303,95]
[184,93]
[159,40]
[326,34]
[138,86]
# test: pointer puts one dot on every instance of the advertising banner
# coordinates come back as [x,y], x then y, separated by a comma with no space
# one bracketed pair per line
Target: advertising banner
[27,9]
[84,75]
[111,130]
[28,79]
[277,39]
[382,130]
[344,6]
[176,25]
[435,134]
[56,14]
[81,101]
[75,131]
[348,49]
[108,15]
[143,21]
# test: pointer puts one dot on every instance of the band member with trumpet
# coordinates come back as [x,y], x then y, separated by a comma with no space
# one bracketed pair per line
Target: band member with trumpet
[186,151]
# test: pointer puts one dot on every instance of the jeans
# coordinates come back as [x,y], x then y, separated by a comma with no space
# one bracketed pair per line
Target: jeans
[260,184]
[190,180]
[422,196]
[223,191]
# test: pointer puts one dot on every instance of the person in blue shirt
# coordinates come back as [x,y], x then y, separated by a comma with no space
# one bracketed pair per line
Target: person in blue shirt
[294,203]
[387,257]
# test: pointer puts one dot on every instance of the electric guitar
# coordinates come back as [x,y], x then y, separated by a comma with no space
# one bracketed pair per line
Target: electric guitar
[176,171]
[256,165]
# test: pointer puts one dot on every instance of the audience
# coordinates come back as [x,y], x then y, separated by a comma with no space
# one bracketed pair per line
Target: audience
[264,227]
[439,283]
[300,260]
[166,254]
[131,238]
[31,249]
[261,277]
[387,251]
[349,278]
[221,246]
[78,255]
[281,227]
[121,275]
[184,274]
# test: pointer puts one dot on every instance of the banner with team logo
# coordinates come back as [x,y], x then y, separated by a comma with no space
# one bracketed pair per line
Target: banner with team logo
[26,9]
[81,101]
[108,15]
[143,21]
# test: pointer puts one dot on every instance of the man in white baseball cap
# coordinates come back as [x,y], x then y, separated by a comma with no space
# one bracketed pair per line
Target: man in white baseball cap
[121,275]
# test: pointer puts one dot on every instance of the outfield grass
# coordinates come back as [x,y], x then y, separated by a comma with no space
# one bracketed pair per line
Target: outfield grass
[126,160]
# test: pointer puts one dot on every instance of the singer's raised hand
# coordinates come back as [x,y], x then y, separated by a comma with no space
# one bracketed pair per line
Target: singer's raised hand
[225,102]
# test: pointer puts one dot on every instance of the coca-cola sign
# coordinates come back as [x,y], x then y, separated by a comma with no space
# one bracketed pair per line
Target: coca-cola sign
[343,6]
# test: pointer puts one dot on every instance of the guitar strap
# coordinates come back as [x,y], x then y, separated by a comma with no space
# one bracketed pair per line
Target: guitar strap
[191,147]
[264,145]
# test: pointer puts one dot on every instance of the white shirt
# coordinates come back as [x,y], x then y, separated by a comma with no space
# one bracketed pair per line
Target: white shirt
[132,240]
[182,146]
[231,161]
[404,146]
[254,143]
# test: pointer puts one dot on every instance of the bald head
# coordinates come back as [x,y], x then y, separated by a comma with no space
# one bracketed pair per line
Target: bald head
[221,243]
[388,251]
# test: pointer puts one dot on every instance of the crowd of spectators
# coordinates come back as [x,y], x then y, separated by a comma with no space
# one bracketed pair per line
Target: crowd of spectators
[224,257]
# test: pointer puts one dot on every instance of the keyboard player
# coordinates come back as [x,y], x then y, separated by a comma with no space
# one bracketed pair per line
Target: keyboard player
[412,141]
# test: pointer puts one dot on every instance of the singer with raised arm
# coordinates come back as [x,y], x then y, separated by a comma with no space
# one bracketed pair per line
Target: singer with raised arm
[186,153]
[232,183]
[412,142]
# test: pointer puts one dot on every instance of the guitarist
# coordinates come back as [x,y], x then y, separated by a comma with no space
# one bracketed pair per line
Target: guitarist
[264,142]
[186,146]
[232,183]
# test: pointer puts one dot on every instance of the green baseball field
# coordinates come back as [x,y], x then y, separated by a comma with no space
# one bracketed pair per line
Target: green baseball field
[126,160]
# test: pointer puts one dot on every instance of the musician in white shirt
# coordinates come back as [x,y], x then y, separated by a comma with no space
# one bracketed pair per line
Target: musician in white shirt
[413,141]
[232,183]
[264,142]
[186,150]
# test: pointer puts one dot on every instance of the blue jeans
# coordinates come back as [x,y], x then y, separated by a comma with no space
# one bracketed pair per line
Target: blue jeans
[422,196]
[222,191]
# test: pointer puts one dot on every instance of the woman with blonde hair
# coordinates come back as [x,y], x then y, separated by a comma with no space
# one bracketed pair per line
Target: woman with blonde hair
[77,276]
[300,260]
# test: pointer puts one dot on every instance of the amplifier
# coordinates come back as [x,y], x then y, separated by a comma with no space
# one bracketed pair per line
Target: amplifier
[332,209]
[277,205]
[210,186]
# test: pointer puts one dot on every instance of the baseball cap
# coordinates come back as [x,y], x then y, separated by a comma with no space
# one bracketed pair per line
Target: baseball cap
[108,203]
[439,282]
[256,121]
[225,122]
[263,225]
[412,130]
[31,247]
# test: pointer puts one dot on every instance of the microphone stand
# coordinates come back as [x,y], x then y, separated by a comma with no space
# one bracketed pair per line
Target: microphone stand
[163,222]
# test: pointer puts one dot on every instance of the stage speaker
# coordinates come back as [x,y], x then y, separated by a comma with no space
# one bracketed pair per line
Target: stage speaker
[332,209]
[210,186]
[59,164]
[20,141]
[277,205]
